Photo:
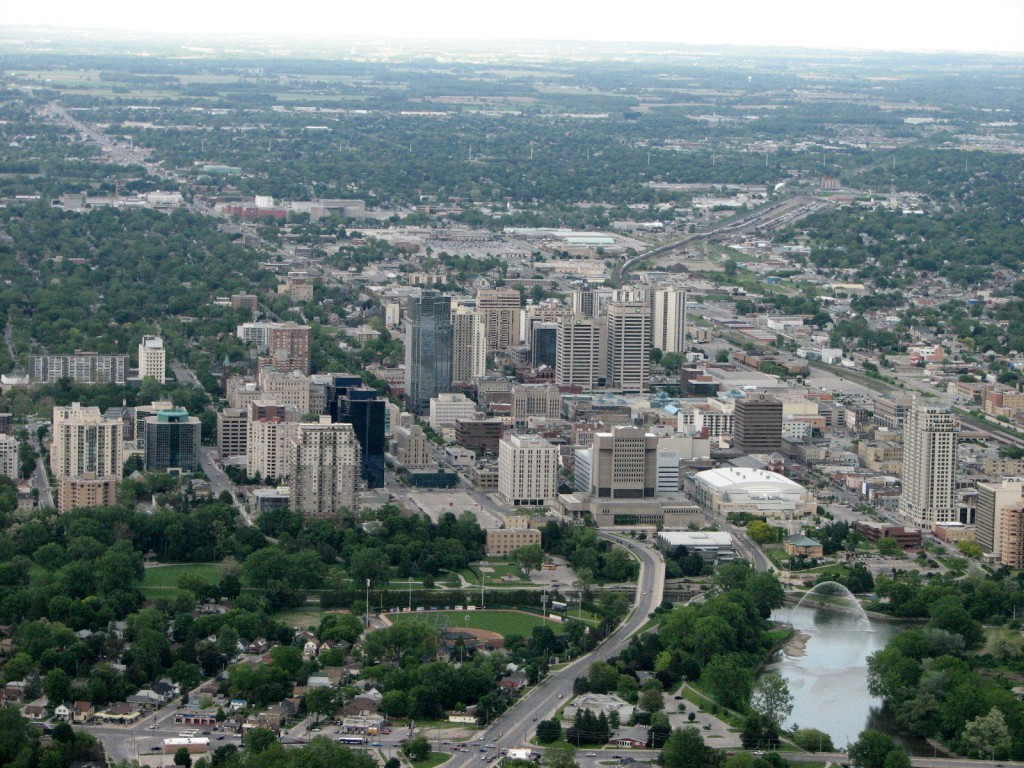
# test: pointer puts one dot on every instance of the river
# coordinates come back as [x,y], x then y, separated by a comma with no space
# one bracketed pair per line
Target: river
[828,675]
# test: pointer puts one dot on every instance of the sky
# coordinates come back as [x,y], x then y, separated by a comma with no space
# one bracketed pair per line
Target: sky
[909,25]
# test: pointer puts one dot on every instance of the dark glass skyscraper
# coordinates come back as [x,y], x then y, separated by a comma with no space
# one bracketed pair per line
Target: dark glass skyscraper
[364,410]
[428,349]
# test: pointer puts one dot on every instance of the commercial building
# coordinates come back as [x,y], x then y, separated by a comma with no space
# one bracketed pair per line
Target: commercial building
[479,435]
[500,309]
[621,464]
[759,492]
[758,424]
[469,345]
[270,499]
[929,468]
[501,541]
[544,343]
[324,466]
[85,445]
[172,441]
[998,520]
[271,427]
[544,400]
[409,447]
[907,538]
[891,411]
[629,345]
[449,407]
[714,546]
[365,410]
[669,321]
[579,360]
[152,359]
[81,367]
[232,432]
[428,349]
[286,387]
[527,470]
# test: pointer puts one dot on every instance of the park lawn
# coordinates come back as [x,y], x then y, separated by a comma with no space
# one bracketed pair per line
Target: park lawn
[166,576]
[505,623]
[499,568]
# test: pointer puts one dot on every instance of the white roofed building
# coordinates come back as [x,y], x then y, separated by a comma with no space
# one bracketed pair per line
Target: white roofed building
[757,491]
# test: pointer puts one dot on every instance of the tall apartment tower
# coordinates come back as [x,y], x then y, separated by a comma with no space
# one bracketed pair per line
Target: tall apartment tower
[578,359]
[85,442]
[669,323]
[324,462]
[172,440]
[1000,520]
[152,359]
[271,426]
[469,345]
[629,345]
[500,309]
[527,470]
[288,347]
[757,424]
[929,467]
[428,349]
[586,303]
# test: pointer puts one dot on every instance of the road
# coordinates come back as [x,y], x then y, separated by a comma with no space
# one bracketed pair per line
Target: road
[512,729]
[220,482]
[40,481]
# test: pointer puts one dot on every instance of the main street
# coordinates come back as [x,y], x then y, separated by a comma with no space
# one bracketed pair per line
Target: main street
[513,727]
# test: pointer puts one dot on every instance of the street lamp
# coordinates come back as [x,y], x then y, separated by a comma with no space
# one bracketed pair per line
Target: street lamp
[367,603]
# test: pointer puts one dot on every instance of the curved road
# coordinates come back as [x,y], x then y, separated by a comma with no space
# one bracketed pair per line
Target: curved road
[513,728]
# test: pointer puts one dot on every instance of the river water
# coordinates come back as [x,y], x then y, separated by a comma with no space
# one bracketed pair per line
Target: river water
[828,678]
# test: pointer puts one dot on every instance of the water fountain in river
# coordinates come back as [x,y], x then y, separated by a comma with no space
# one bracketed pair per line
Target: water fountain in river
[833,596]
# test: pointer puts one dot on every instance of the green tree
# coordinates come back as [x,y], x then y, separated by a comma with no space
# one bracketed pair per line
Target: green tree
[651,700]
[986,736]
[728,679]
[56,686]
[560,756]
[686,749]
[183,758]
[320,702]
[771,698]
[889,547]
[813,740]
[549,731]
[970,549]
[761,532]
[259,740]
[871,748]
[417,748]
[527,559]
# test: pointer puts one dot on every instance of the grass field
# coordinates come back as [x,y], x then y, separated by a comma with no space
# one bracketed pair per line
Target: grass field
[505,623]
[499,568]
[166,576]
[300,617]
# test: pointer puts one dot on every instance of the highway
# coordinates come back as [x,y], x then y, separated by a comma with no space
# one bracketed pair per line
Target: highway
[513,728]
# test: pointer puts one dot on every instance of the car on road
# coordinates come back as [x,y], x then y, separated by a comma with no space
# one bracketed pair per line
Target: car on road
[376,744]
[591,754]
[155,747]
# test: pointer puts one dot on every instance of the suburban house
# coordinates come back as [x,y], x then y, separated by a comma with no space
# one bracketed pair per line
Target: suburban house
[84,711]
[63,712]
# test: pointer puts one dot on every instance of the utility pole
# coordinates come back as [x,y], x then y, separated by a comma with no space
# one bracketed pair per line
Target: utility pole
[367,604]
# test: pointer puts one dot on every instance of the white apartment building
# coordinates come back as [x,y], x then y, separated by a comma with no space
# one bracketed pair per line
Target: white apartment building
[669,322]
[579,359]
[469,344]
[447,408]
[9,456]
[527,470]
[629,345]
[271,427]
[153,359]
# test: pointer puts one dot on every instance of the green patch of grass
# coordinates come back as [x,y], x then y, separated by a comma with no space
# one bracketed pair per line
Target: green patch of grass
[300,617]
[433,759]
[166,576]
[505,623]
[500,569]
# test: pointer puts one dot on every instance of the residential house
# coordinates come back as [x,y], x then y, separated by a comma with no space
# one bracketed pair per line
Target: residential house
[84,712]
[63,712]
[34,711]
[259,645]
[147,699]
[515,681]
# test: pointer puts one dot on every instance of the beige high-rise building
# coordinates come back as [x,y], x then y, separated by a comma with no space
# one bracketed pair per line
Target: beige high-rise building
[669,323]
[527,470]
[579,359]
[500,309]
[999,520]
[324,464]
[621,464]
[286,388]
[469,345]
[152,359]
[84,442]
[85,445]
[409,447]
[86,491]
[232,432]
[271,426]
[929,468]
[449,407]
[629,345]
[544,400]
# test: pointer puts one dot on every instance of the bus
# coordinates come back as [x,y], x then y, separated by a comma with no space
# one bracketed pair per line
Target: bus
[353,740]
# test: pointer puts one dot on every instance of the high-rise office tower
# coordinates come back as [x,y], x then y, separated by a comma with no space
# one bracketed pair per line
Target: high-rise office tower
[288,347]
[428,349]
[500,308]
[669,322]
[624,464]
[152,359]
[757,425]
[364,409]
[586,303]
[929,467]
[324,462]
[629,345]
[469,345]
[172,440]
[527,470]
[578,359]
[544,344]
